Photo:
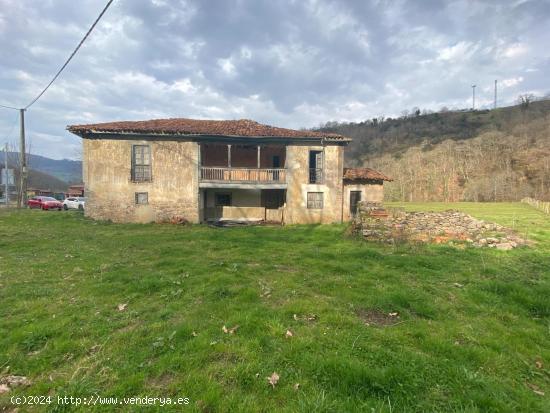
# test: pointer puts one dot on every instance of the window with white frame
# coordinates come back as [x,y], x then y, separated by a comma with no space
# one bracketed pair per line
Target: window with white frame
[315,200]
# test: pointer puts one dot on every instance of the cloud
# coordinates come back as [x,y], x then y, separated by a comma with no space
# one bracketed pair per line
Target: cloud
[289,63]
[514,81]
[457,53]
[515,50]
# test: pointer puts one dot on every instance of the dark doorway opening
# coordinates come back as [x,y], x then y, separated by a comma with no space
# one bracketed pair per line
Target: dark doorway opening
[273,198]
[222,199]
[354,199]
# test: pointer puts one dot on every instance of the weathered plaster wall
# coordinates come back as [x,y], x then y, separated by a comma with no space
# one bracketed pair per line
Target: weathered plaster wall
[297,163]
[244,213]
[370,192]
[111,193]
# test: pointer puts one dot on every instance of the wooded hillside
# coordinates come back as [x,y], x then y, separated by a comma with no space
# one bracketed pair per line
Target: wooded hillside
[484,155]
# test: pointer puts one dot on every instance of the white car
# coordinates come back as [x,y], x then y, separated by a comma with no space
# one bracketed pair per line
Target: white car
[74,202]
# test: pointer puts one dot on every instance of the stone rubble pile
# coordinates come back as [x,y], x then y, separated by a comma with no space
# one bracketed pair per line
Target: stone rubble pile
[435,227]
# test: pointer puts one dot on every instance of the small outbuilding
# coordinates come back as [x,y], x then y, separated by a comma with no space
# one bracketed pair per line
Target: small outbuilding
[75,190]
[362,184]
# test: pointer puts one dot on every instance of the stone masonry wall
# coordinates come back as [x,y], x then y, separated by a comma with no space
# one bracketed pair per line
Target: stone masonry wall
[297,163]
[434,227]
[173,191]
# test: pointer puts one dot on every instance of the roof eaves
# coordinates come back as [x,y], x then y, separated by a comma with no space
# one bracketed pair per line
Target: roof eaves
[143,134]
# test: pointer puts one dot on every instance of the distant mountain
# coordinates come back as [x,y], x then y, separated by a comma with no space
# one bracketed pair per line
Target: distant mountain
[38,179]
[41,180]
[65,170]
[461,155]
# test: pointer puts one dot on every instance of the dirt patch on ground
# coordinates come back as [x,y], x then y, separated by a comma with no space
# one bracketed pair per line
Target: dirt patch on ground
[160,382]
[375,317]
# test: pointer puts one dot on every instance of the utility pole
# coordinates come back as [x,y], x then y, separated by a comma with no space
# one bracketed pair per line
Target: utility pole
[6,186]
[495,94]
[473,97]
[22,198]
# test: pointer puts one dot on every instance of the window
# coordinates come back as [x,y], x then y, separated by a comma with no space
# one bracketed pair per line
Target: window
[315,167]
[223,200]
[141,163]
[315,200]
[142,198]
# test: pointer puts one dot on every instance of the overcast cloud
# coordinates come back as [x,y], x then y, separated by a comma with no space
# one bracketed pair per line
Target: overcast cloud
[286,63]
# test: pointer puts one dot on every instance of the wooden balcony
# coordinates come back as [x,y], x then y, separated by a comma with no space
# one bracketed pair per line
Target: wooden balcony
[245,176]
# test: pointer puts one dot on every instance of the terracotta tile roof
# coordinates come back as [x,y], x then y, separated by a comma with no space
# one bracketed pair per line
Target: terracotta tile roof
[357,174]
[181,126]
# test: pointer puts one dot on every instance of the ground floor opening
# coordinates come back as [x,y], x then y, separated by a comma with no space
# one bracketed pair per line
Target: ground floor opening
[236,204]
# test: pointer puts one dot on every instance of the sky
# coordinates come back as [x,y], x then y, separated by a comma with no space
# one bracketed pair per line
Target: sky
[291,63]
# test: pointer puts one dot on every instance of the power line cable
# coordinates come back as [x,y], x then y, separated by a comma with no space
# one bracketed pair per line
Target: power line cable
[71,56]
[8,107]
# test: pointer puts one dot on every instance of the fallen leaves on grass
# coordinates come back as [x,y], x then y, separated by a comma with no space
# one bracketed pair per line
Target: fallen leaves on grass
[288,334]
[265,289]
[230,330]
[297,386]
[194,334]
[8,382]
[94,349]
[273,379]
[536,389]
[122,307]
[538,364]
[35,352]
[307,317]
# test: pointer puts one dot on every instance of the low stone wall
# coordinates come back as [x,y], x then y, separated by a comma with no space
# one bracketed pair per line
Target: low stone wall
[540,205]
[434,227]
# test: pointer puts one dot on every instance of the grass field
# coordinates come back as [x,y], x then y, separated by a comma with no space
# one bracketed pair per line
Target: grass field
[472,332]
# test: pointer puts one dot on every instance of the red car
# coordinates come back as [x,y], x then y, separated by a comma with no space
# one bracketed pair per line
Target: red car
[44,202]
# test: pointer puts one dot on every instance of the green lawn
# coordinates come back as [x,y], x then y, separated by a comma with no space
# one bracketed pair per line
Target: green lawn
[473,331]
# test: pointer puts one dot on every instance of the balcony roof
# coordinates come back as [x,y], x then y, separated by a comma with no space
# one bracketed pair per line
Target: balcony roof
[196,128]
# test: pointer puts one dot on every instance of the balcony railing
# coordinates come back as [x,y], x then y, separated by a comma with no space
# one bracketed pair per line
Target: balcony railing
[243,175]
[315,176]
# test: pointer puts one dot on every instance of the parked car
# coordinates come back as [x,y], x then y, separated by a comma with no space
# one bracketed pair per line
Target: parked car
[44,202]
[74,202]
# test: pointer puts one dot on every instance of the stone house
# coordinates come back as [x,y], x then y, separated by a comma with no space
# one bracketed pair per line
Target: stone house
[202,170]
